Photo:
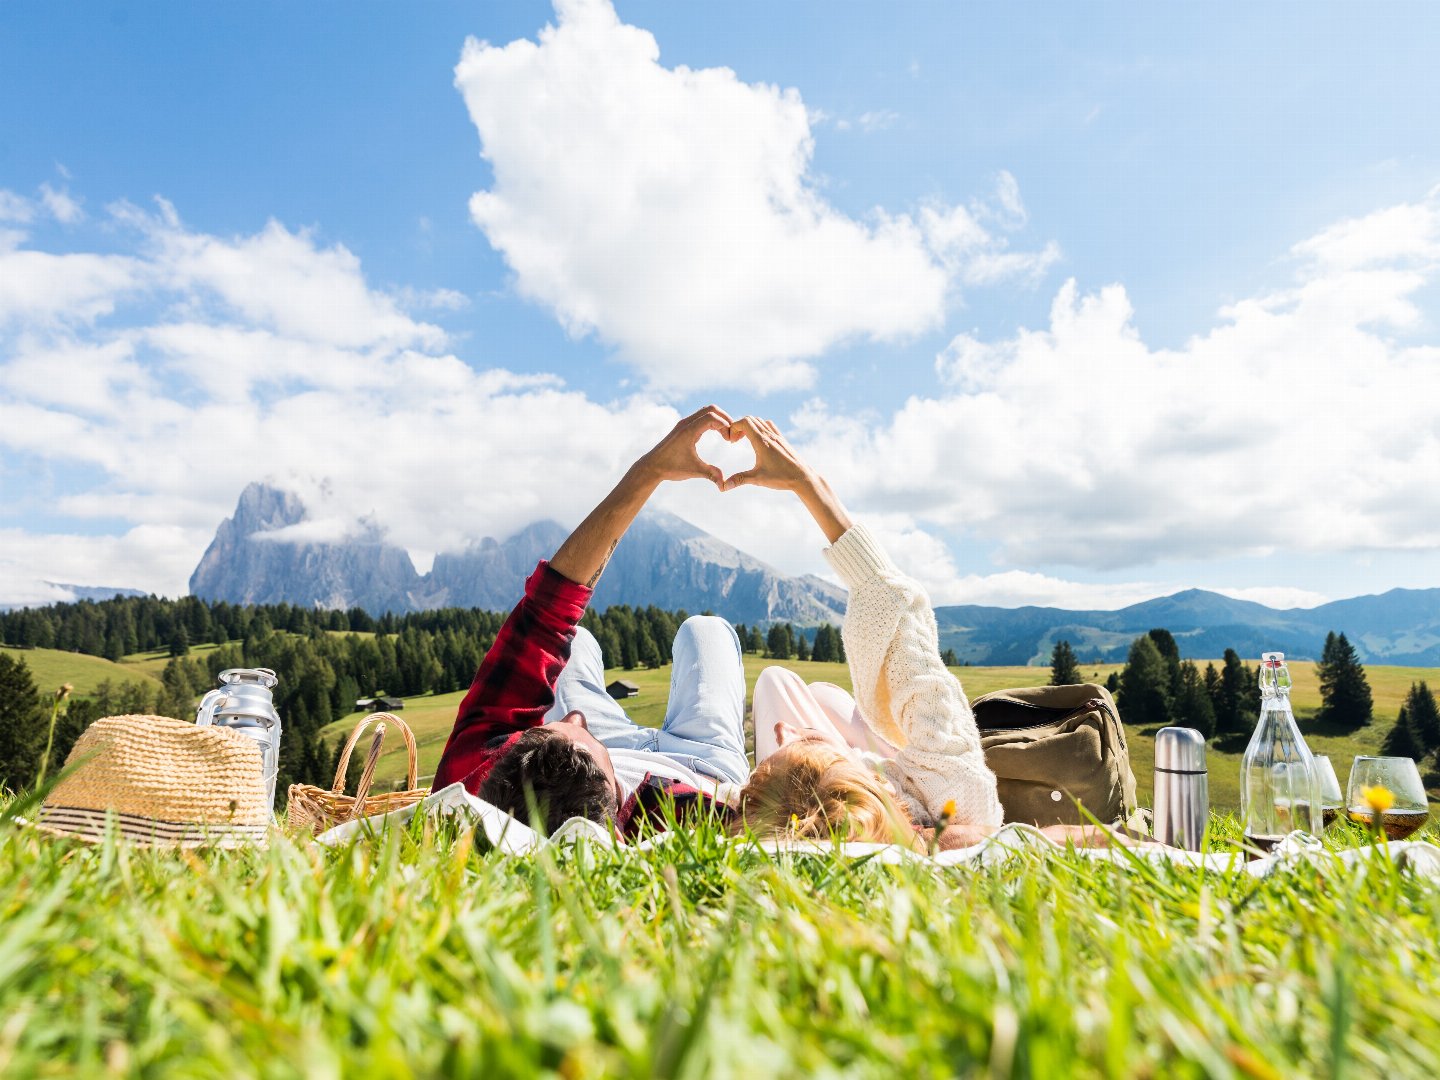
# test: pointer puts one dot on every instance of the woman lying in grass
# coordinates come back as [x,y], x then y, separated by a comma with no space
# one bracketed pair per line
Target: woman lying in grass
[816,757]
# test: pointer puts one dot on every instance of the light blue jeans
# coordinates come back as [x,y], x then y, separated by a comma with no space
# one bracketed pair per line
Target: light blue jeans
[704,727]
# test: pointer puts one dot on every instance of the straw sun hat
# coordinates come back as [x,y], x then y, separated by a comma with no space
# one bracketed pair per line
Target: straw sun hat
[166,782]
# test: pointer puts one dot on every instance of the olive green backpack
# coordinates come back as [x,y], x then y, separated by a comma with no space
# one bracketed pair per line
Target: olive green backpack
[1051,746]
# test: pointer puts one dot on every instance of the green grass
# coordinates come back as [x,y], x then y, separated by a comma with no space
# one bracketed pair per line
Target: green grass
[431,717]
[423,955]
[153,662]
[52,668]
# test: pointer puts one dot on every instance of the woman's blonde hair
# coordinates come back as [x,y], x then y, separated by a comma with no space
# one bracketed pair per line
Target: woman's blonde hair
[811,789]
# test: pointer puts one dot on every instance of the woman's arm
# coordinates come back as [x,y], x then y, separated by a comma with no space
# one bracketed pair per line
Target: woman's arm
[902,686]
[778,466]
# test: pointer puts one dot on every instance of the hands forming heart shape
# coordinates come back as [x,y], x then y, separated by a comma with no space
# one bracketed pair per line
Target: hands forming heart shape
[777,465]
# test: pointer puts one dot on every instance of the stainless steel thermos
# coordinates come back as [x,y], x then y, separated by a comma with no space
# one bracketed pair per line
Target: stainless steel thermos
[244,703]
[1182,787]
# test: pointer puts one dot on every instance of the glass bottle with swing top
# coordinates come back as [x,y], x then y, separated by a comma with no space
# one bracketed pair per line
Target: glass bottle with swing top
[1279,783]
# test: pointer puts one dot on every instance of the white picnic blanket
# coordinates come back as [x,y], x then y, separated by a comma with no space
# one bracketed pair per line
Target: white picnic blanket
[513,837]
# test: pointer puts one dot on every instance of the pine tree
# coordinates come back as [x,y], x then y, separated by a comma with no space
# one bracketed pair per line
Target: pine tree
[347,692]
[180,640]
[1228,704]
[1193,708]
[1401,740]
[1250,697]
[1064,668]
[1145,685]
[79,714]
[1344,691]
[949,659]
[1211,680]
[663,628]
[1112,683]
[757,642]
[778,643]
[647,649]
[828,647]
[177,697]
[21,733]
[802,648]
[821,652]
[610,650]
[1165,642]
[1424,719]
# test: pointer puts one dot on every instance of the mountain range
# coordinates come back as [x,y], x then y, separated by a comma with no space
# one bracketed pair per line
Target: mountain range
[1401,626]
[662,560]
[666,561]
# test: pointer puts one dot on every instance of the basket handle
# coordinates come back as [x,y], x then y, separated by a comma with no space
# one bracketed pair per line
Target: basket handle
[383,719]
[368,776]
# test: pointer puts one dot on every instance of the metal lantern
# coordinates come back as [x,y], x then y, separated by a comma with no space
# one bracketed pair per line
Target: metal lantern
[243,703]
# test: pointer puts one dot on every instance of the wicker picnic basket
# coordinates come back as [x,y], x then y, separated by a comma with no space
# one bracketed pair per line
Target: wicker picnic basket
[314,809]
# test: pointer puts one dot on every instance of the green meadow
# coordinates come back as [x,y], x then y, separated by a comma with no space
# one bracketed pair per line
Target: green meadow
[52,668]
[432,716]
[424,954]
[153,663]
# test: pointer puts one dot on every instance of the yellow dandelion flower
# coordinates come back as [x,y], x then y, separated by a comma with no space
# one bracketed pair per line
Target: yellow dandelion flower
[795,822]
[948,810]
[1379,798]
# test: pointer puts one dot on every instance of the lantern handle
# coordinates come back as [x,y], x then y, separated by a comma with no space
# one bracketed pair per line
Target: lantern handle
[209,705]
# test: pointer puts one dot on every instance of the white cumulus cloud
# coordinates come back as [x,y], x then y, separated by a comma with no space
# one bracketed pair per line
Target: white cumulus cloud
[672,212]
[223,360]
[1304,421]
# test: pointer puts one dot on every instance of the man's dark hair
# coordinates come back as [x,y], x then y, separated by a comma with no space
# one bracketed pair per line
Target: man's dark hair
[563,779]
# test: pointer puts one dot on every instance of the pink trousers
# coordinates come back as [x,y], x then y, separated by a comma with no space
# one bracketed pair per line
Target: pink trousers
[817,710]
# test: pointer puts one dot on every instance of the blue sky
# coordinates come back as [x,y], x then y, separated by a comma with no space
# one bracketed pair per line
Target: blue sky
[1210,179]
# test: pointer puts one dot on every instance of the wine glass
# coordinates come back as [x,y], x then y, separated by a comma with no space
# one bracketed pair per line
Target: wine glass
[1332,800]
[1410,809]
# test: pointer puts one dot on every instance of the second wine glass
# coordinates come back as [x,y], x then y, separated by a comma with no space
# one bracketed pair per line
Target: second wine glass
[1388,788]
[1332,799]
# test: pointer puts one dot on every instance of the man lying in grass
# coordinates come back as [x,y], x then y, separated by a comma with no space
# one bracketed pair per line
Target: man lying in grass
[537,725]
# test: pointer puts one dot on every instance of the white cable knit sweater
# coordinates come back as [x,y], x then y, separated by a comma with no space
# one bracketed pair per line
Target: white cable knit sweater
[904,690]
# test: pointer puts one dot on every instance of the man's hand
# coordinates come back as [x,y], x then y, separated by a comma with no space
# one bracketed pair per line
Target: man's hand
[583,556]
[777,465]
[675,457]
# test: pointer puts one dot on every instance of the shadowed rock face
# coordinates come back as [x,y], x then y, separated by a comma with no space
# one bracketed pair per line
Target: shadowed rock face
[245,566]
[663,560]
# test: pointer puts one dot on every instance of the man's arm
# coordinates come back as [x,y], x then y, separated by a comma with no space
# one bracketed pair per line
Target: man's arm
[515,685]
[583,556]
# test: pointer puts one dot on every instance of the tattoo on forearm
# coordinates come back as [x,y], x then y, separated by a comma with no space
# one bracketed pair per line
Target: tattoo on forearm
[603,563]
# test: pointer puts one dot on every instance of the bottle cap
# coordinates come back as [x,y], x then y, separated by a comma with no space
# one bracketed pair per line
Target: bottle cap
[1180,749]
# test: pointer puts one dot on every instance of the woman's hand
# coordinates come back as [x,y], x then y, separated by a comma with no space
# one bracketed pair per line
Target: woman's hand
[778,466]
[675,457]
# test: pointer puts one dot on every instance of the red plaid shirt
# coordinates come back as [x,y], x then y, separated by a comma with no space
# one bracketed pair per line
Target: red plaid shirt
[515,687]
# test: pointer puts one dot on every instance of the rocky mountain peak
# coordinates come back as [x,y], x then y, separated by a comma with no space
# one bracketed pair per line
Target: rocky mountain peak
[263,508]
[663,560]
